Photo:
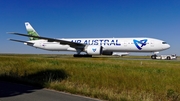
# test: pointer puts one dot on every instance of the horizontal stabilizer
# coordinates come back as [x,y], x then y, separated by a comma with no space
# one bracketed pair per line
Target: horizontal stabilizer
[64,42]
[21,41]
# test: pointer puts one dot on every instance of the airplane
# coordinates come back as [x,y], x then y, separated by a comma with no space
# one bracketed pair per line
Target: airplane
[120,54]
[93,46]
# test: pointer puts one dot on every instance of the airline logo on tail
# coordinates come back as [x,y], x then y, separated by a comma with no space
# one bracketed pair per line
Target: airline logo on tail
[139,44]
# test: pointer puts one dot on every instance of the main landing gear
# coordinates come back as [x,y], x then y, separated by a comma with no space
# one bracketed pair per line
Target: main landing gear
[82,55]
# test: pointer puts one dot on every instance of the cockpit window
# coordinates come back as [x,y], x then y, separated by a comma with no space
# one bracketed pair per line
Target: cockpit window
[164,42]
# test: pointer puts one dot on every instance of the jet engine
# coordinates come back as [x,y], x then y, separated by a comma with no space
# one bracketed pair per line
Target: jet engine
[94,50]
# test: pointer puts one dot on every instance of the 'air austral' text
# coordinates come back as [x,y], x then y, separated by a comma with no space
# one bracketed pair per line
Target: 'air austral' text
[98,42]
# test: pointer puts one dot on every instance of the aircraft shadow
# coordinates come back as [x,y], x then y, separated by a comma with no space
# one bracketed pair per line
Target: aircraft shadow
[13,86]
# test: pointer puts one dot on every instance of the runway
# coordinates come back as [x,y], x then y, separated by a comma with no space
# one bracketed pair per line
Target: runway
[18,92]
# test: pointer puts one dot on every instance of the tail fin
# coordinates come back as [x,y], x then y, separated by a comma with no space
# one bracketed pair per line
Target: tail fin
[31,31]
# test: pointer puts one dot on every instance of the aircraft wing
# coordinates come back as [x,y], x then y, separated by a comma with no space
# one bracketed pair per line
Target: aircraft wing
[64,42]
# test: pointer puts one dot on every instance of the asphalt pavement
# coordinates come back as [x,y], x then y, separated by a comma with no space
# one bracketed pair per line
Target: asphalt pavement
[18,92]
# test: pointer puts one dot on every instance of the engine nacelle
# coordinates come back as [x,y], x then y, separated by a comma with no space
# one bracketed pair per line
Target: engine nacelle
[107,53]
[94,50]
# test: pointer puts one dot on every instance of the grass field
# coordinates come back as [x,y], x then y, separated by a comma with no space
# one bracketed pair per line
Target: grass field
[106,78]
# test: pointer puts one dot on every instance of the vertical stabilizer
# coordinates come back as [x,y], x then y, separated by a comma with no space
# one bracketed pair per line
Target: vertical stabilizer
[31,31]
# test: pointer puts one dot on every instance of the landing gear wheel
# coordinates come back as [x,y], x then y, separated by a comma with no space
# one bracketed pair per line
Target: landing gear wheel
[153,56]
[168,58]
[82,55]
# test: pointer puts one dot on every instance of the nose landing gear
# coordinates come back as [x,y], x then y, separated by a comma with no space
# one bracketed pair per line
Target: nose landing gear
[153,56]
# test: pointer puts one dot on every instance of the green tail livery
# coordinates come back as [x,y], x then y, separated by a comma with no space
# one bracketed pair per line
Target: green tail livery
[31,31]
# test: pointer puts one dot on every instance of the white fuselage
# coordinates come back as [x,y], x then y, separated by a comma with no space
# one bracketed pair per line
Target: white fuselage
[108,44]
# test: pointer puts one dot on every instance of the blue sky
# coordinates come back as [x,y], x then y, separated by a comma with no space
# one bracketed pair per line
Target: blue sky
[90,18]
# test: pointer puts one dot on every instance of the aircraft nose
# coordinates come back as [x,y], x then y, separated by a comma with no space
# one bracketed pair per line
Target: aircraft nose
[167,46]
